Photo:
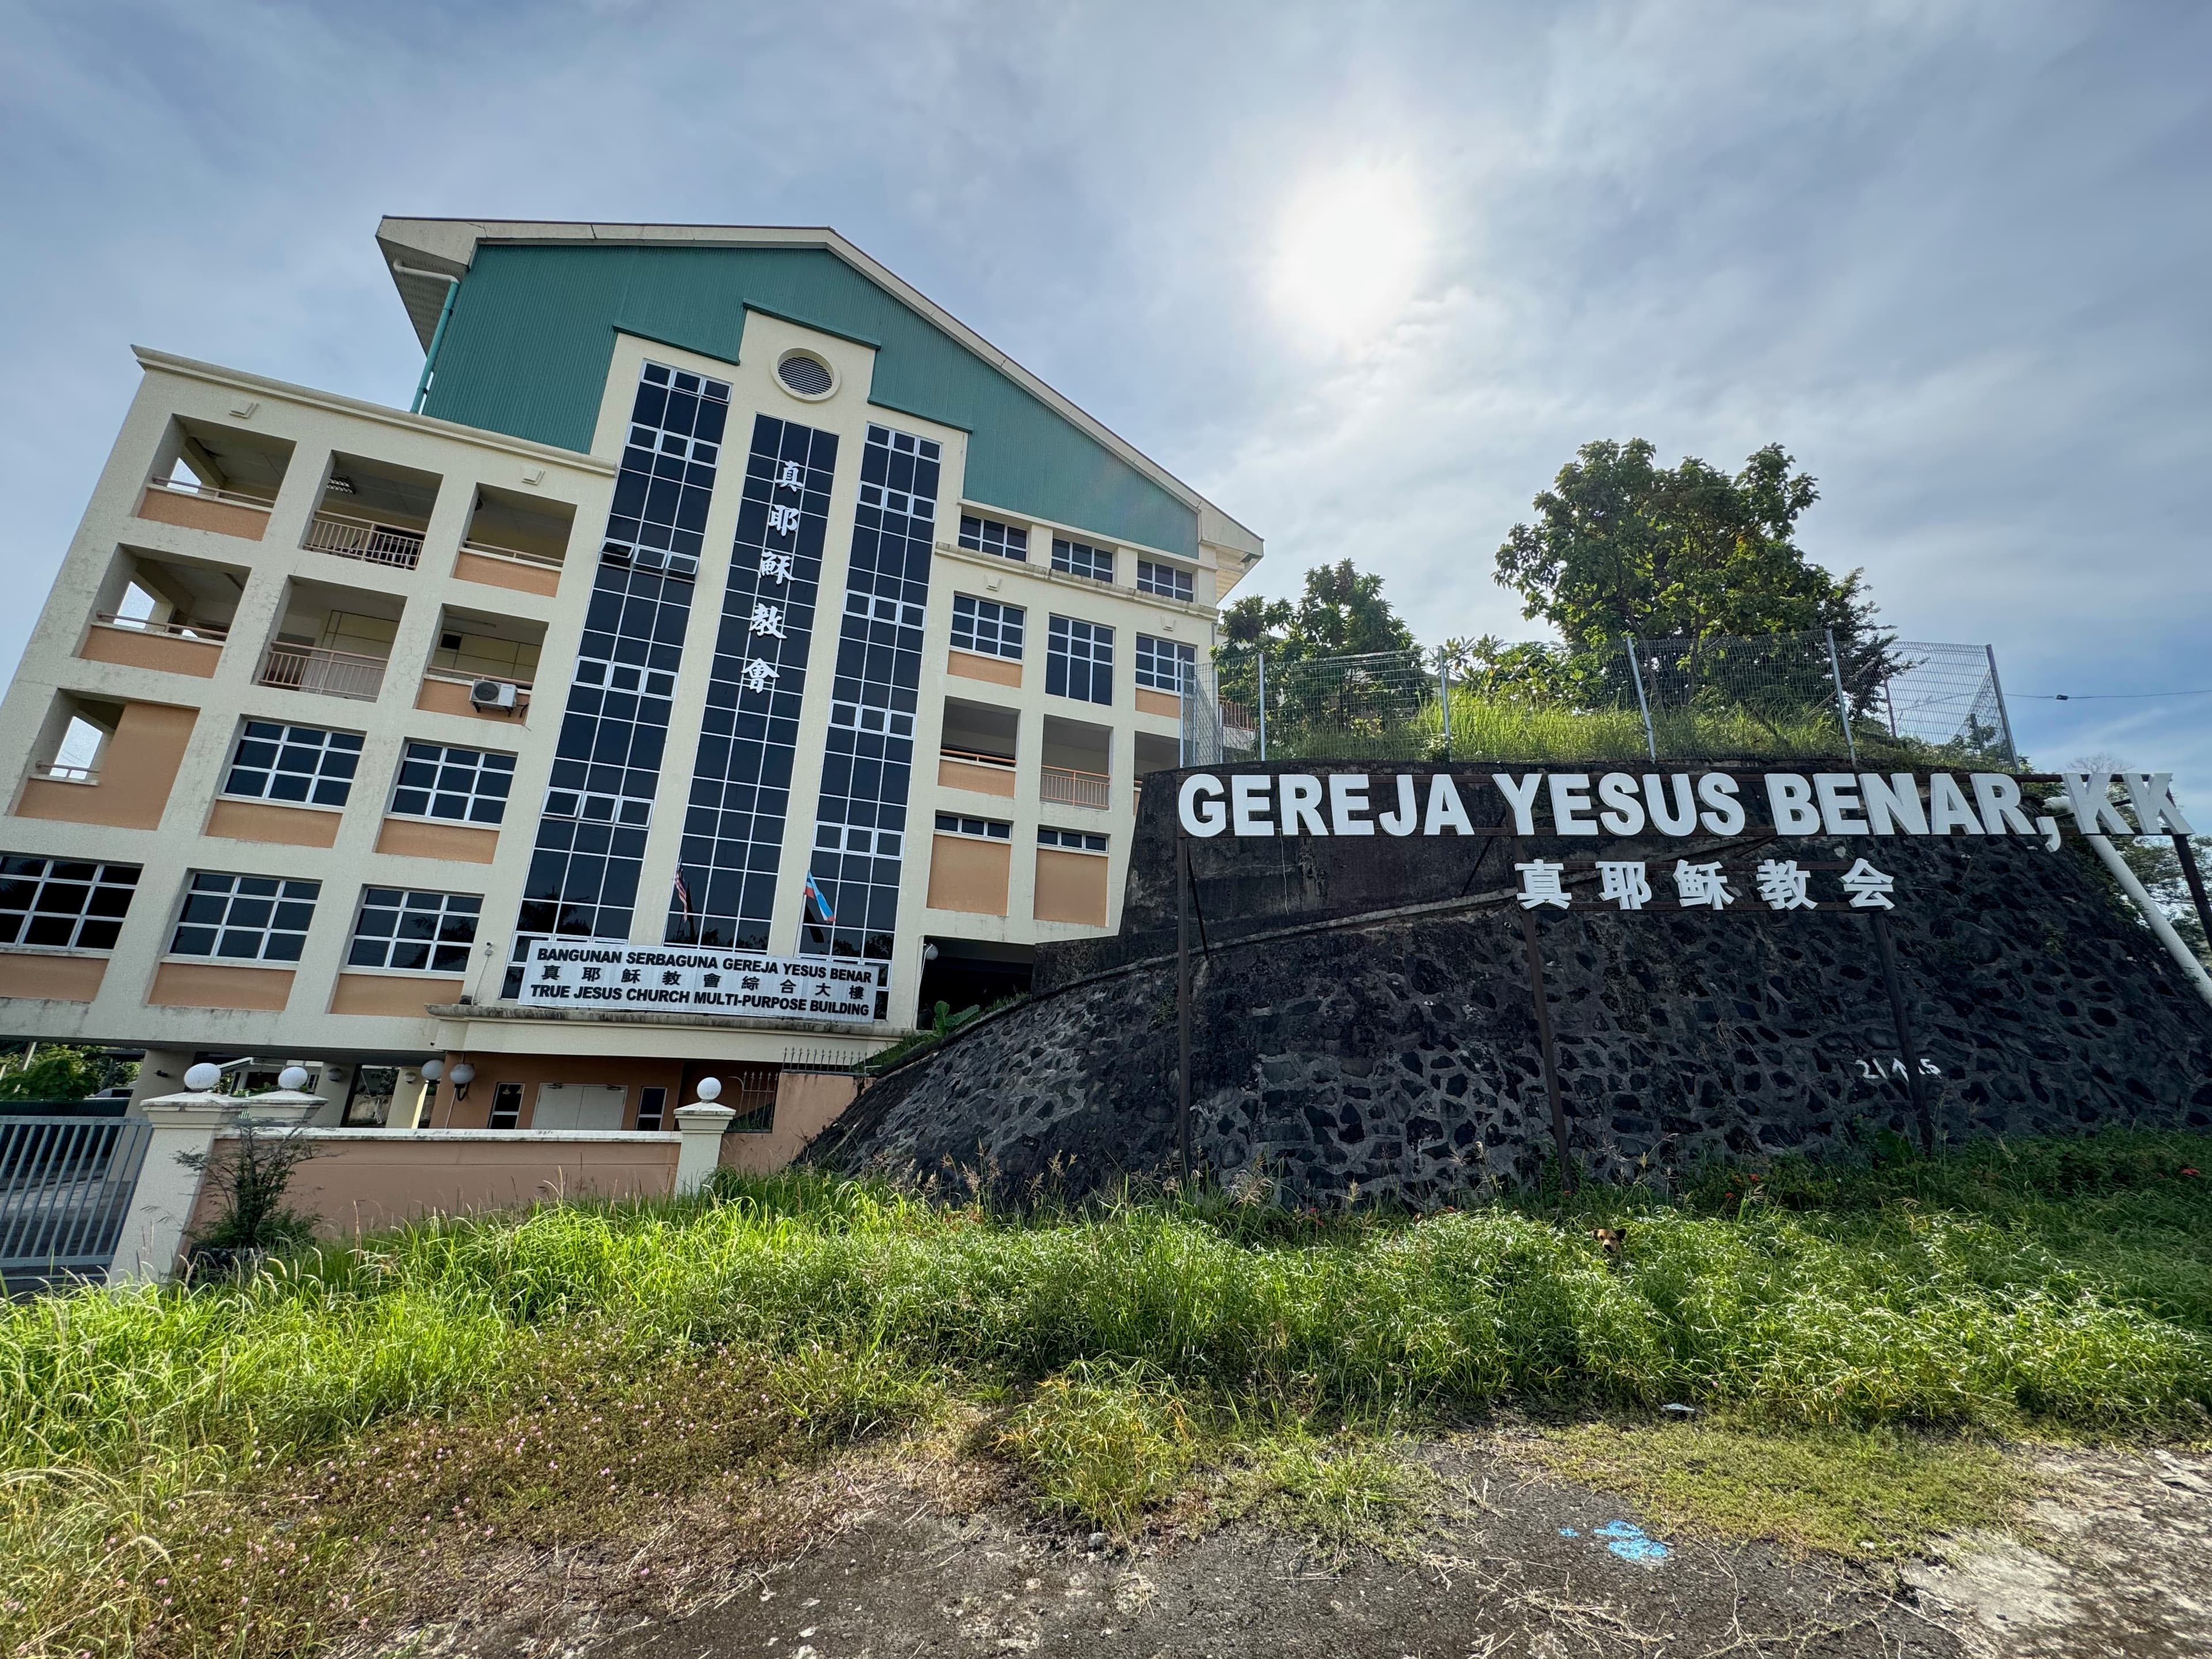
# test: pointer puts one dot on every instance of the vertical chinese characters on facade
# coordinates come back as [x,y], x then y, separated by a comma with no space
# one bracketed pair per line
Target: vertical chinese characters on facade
[733,824]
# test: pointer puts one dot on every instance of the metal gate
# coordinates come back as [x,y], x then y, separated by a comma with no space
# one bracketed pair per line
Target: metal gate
[65,1186]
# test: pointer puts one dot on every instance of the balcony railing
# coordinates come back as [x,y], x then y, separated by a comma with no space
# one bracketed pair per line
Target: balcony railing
[56,772]
[1074,788]
[365,540]
[209,492]
[543,561]
[977,757]
[174,630]
[1238,716]
[329,673]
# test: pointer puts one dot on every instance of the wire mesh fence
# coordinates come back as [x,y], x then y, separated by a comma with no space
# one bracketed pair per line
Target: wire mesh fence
[1720,697]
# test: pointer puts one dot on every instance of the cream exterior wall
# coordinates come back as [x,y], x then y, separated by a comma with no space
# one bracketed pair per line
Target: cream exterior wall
[317,425]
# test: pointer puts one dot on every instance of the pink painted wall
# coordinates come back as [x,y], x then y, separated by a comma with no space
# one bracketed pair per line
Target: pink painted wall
[360,1180]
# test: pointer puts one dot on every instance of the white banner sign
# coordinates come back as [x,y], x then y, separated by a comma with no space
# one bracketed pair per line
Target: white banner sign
[681,979]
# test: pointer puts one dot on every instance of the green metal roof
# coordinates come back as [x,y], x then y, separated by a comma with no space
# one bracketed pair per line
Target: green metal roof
[533,325]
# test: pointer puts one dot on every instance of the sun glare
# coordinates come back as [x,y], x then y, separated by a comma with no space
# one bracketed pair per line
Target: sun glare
[1351,253]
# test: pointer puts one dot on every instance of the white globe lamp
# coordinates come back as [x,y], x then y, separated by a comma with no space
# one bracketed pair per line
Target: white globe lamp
[203,1077]
[433,1070]
[463,1075]
[710,1089]
[294,1078]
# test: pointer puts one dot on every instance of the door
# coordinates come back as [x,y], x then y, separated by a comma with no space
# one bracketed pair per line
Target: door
[579,1106]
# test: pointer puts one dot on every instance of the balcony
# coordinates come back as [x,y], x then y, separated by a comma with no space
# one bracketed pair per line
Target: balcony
[170,647]
[190,506]
[61,772]
[1070,788]
[452,691]
[975,769]
[515,541]
[325,673]
[365,540]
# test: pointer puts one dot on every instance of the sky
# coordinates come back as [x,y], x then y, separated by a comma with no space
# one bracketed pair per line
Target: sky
[1366,274]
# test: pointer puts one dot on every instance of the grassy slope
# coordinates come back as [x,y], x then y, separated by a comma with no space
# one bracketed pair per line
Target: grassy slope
[2067,1285]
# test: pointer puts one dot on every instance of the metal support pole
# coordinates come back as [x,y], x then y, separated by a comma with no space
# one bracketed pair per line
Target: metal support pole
[1842,703]
[2004,715]
[1914,1082]
[1182,1002]
[2194,878]
[1536,997]
[1636,672]
[1444,668]
[1263,705]
[437,338]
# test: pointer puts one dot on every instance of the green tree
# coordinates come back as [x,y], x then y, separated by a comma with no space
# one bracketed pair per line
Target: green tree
[1622,545]
[1341,613]
[55,1071]
[1343,673]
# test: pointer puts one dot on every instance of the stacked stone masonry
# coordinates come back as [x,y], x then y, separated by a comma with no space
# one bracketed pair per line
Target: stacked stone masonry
[1337,1045]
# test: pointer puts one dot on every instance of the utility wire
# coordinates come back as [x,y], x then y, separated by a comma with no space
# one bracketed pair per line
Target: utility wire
[2107,696]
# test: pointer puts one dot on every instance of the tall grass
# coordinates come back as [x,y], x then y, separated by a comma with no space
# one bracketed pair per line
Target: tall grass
[2071,1285]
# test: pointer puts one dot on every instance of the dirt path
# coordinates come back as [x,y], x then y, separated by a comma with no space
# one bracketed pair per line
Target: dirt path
[1527,1569]
[2109,1563]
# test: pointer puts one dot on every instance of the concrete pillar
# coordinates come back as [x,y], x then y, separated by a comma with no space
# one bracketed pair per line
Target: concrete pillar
[169,1190]
[161,1073]
[701,1127]
[162,1203]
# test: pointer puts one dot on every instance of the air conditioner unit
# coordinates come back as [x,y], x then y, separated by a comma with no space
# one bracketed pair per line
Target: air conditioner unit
[492,694]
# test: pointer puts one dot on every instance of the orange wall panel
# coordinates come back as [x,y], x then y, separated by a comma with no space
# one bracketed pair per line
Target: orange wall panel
[288,826]
[136,771]
[57,979]
[997,670]
[446,697]
[218,985]
[390,993]
[1071,887]
[806,1104]
[196,512]
[1149,702]
[136,648]
[502,572]
[463,843]
[983,779]
[968,874]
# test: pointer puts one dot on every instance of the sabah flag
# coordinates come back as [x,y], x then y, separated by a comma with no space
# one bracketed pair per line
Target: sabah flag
[822,905]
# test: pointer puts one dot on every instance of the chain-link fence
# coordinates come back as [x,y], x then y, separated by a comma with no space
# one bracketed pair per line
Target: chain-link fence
[1721,697]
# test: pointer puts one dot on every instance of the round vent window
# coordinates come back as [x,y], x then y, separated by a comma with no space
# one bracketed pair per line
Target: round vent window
[804,376]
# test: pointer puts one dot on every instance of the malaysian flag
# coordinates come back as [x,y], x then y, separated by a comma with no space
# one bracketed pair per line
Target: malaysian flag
[822,905]
[683,899]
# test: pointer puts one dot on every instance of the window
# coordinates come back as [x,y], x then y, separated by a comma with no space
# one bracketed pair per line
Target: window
[1165,581]
[1163,664]
[989,535]
[667,472]
[731,851]
[868,756]
[65,903]
[1071,841]
[505,1106]
[598,809]
[1078,660]
[420,933]
[293,763]
[987,627]
[245,918]
[1081,559]
[461,786]
[951,824]
[651,1103]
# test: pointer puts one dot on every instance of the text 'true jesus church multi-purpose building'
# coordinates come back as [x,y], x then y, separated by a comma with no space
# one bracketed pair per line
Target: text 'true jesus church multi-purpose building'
[734,656]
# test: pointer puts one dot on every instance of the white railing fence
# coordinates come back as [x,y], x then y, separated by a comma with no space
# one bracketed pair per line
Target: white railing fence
[329,673]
